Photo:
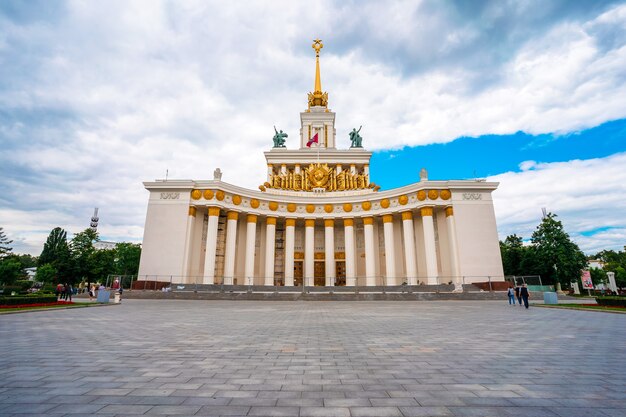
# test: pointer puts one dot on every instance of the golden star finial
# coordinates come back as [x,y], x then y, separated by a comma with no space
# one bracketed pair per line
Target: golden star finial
[317,45]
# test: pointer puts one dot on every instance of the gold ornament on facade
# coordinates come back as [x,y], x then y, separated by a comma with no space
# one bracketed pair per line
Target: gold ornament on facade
[309,223]
[426,211]
[317,176]
[298,255]
[192,211]
[340,255]
[387,218]
[328,208]
[219,195]
[421,195]
[445,194]
[208,194]
[310,208]
[232,215]
[449,211]
[196,194]
[403,199]
[290,222]
[433,194]
[347,207]
[252,218]
[407,215]
[329,223]
[320,255]
[348,222]
[368,220]
[273,205]
[254,203]
[384,203]
[366,205]
[271,220]
[214,211]
[291,207]
[236,200]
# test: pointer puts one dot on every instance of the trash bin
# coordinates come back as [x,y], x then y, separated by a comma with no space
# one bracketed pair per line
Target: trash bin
[116,298]
[550,298]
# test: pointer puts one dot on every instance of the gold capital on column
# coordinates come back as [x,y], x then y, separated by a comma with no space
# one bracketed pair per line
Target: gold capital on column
[407,215]
[348,222]
[214,211]
[309,223]
[232,215]
[387,218]
[426,211]
[252,218]
[329,223]
[290,222]
[192,211]
[271,220]
[368,220]
[449,212]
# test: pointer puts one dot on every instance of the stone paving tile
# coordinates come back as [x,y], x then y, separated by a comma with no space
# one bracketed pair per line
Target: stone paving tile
[324,412]
[317,358]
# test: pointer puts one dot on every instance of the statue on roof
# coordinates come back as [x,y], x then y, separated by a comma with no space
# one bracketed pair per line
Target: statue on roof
[355,138]
[279,138]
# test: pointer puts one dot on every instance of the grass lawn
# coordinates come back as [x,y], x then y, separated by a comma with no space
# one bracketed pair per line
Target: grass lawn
[584,307]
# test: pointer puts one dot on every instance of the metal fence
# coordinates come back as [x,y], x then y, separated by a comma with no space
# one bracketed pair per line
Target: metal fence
[378,284]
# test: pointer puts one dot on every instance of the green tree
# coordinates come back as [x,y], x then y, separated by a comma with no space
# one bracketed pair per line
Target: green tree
[82,251]
[559,259]
[614,261]
[127,258]
[102,264]
[598,276]
[56,252]
[512,251]
[5,249]
[46,274]
[10,270]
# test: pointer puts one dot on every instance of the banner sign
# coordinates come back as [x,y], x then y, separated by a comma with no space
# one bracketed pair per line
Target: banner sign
[586,278]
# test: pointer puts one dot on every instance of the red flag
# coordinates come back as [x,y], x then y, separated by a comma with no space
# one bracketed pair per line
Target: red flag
[312,140]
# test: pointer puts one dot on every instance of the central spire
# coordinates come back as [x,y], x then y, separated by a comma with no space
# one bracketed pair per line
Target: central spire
[317,97]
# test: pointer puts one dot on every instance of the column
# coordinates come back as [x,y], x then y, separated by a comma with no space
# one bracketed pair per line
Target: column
[348,229]
[409,248]
[429,245]
[231,240]
[329,247]
[370,263]
[211,246]
[454,255]
[188,242]
[270,245]
[290,241]
[390,251]
[309,251]
[250,244]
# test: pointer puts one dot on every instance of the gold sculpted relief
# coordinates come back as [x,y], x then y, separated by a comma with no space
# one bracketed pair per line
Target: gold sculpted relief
[196,194]
[208,194]
[318,176]
[445,194]
[421,195]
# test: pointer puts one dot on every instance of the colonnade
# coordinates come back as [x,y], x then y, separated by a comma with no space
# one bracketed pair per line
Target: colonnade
[410,255]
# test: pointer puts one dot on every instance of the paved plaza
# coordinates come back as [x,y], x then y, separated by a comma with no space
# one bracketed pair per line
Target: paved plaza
[214,358]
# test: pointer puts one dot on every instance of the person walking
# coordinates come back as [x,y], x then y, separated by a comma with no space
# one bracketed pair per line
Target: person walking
[524,294]
[517,295]
[511,294]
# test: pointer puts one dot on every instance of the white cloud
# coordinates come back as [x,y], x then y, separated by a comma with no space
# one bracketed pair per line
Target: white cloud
[585,194]
[104,96]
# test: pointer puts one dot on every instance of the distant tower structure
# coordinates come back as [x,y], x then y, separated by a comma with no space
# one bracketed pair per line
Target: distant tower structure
[94,220]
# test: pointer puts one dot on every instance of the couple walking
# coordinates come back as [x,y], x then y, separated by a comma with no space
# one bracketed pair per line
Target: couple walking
[521,293]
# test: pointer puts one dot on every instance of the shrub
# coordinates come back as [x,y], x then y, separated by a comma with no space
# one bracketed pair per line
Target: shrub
[27,299]
[611,301]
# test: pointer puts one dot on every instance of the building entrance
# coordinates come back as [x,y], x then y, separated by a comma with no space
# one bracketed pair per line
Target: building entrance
[319,274]
[340,268]
[298,269]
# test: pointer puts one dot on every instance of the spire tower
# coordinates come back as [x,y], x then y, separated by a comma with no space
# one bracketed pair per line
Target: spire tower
[317,97]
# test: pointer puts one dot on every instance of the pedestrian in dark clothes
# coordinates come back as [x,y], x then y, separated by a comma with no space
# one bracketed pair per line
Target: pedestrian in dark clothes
[524,294]
[518,296]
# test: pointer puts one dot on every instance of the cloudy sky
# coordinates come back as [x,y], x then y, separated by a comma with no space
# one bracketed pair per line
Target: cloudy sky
[96,97]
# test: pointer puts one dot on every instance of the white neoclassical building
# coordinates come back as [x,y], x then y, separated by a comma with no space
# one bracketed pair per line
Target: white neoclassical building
[318,219]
